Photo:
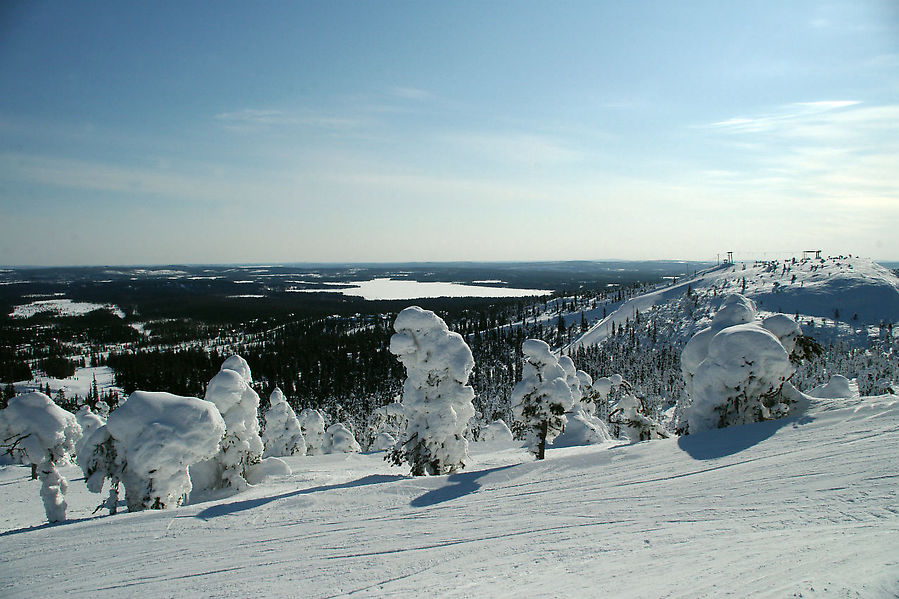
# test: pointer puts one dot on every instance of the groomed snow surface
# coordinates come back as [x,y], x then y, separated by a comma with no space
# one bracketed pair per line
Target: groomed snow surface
[805,506]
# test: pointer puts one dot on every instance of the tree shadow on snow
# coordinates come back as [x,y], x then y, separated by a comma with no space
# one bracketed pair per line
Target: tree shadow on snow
[225,509]
[46,525]
[709,445]
[463,483]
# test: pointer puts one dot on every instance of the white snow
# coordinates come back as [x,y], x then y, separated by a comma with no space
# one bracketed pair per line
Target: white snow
[282,434]
[436,395]
[339,439]
[62,307]
[804,506]
[393,289]
[158,436]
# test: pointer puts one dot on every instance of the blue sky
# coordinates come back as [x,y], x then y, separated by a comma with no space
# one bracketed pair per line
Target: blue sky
[138,133]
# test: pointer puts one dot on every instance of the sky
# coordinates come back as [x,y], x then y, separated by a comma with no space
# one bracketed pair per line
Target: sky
[337,131]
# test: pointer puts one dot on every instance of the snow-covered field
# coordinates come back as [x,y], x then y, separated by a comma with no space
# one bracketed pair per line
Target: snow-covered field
[802,507]
[80,384]
[62,307]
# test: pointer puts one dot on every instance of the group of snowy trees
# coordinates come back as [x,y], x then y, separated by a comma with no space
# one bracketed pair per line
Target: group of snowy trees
[161,447]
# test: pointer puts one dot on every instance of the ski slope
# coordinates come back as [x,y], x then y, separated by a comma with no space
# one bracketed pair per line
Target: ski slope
[805,507]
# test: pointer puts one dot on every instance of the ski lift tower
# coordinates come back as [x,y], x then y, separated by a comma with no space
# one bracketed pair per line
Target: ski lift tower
[730,257]
[811,253]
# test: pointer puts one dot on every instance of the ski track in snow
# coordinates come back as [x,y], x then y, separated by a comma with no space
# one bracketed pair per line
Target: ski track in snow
[805,506]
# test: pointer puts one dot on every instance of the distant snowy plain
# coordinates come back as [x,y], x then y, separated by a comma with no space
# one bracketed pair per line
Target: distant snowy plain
[802,507]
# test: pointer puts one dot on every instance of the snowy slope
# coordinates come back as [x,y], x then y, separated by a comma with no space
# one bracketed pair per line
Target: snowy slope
[856,288]
[803,507]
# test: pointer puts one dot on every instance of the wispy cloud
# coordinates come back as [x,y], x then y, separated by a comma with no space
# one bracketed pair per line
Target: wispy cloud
[841,154]
[254,119]
[411,93]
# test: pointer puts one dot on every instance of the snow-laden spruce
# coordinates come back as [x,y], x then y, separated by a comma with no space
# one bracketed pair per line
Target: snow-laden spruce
[387,420]
[148,443]
[312,425]
[581,426]
[282,435]
[241,448]
[736,370]
[89,422]
[630,418]
[35,430]
[339,439]
[541,398]
[497,430]
[436,395]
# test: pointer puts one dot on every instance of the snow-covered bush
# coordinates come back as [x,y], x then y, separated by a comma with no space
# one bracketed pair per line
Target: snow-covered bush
[241,448]
[383,442]
[740,379]
[436,395]
[389,419]
[734,310]
[312,425]
[541,398]
[496,431]
[282,435]
[581,427]
[35,430]
[340,439]
[630,417]
[89,422]
[148,443]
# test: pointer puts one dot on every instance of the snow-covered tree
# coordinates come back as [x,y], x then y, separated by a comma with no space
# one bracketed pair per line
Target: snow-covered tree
[436,395]
[340,439]
[383,442]
[148,443]
[89,422]
[630,417]
[35,430]
[282,435]
[389,420]
[541,398]
[497,430]
[241,448]
[581,427]
[312,425]
[737,368]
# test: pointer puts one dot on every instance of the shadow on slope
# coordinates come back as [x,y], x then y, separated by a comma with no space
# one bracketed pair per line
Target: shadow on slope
[709,445]
[225,509]
[463,483]
[46,525]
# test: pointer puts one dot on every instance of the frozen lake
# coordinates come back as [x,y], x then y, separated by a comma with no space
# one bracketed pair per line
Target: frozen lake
[392,289]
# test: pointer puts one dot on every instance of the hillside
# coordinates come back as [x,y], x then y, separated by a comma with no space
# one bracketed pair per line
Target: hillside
[803,507]
[854,290]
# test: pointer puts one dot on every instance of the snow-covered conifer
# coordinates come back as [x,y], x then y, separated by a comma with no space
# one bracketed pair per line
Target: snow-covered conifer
[312,425]
[497,430]
[383,442]
[148,443]
[631,417]
[241,448]
[37,431]
[436,395]
[541,398]
[89,422]
[340,439]
[736,369]
[389,419]
[282,435]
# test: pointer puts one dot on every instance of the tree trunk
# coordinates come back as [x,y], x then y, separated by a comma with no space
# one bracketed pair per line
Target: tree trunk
[34,472]
[541,447]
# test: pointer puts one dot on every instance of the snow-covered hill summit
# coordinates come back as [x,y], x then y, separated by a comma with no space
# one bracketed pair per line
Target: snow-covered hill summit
[852,289]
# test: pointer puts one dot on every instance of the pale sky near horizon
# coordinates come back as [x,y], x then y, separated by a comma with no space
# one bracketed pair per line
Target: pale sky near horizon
[221,132]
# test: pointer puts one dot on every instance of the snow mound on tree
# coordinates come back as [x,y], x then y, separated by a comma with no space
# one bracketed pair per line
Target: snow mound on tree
[282,435]
[836,388]
[436,395]
[497,430]
[312,425]
[46,430]
[383,442]
[159,436]
[339,439]
[745,364]
[582,429]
